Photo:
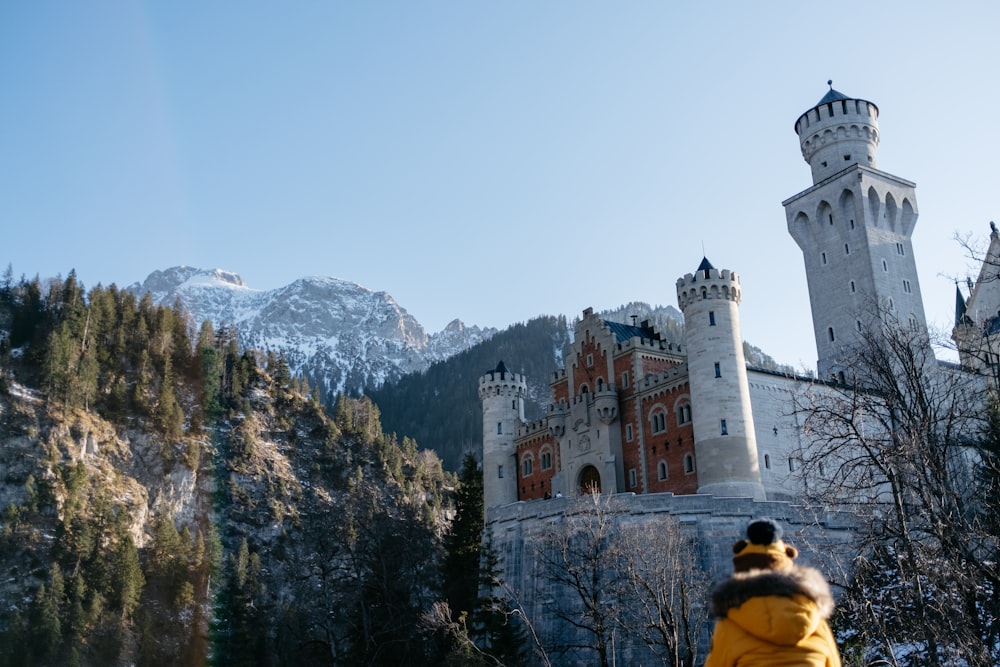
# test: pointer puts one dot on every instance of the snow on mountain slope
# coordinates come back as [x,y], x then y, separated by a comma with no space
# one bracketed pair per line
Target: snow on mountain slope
[337,333]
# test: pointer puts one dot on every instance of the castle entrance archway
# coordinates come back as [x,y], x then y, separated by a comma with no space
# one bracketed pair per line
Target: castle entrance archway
[590,480]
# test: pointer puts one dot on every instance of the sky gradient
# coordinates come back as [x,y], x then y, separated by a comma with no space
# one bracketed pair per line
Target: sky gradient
[480,160]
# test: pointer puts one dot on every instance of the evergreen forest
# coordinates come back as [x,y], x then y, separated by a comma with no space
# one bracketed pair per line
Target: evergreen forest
[169,498]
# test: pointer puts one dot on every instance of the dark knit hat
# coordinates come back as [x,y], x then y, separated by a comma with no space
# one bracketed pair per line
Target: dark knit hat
[763,548]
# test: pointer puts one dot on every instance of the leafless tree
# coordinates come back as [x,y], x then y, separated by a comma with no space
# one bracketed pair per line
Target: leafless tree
[623,587]
[576,561]
[899,444]
[663,588]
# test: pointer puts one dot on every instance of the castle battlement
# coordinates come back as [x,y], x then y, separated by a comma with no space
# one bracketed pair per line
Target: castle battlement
[838,132]
[501,382]
[709,283]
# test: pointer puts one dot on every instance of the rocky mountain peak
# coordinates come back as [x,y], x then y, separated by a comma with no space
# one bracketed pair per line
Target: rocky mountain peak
[341,335]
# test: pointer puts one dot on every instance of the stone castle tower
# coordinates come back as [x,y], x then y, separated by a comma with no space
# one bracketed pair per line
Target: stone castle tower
[853,227]
[724,435]
[502,394]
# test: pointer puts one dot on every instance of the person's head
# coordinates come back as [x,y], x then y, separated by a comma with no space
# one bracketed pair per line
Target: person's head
[763,549]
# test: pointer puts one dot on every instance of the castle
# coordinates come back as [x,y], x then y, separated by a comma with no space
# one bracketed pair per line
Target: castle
[633,413]
[693,432]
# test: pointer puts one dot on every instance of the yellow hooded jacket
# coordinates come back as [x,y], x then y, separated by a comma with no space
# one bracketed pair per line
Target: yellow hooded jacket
[774,619]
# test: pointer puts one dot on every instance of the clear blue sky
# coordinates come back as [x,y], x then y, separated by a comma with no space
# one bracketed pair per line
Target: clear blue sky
[490,161]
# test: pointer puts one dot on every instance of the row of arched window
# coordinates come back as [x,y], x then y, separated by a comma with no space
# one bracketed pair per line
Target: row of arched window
[528,461]
[658,415]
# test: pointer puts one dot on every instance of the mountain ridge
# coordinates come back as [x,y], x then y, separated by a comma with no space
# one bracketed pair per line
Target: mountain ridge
[344,337]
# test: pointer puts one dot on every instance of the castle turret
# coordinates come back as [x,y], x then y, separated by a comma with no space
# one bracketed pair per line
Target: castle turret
[502,394]
[853,227]
[838,132]
[724,438]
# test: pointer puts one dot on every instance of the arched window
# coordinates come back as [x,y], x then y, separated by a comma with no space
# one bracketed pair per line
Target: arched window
[546,457]
[658,420]
[683,413]
[688,464]
[661,469]
[526,466]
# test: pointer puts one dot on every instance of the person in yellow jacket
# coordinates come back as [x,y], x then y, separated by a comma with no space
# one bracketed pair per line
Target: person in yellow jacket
[771,611]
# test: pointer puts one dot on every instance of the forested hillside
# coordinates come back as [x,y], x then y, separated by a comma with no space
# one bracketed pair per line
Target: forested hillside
[176,501]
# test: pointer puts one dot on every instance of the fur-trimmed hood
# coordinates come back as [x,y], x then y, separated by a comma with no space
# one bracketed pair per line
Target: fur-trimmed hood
[742,586]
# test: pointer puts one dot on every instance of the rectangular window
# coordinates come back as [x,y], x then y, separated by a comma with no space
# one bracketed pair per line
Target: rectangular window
[718,371]
[499,428]
[724,429]
[823,257]
[628,432]
[590,360]
[500,472]
[625,380]
[711,318]
[631,477]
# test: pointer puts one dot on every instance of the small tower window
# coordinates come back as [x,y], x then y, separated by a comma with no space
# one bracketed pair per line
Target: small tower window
[791,464]
[625,380]
[499,428]
[831,218]
[500,472]
[723,428]
[823,257]
[858,324]
[885,266]
[899,249]
[847,249]
[767,461]
[853,289]
[688,464]
[513,404]
[906,286]
[711,318]
[852,224]
[628,432]
[661,469]
[829,332]
[847,158]
[631,477]
[718,370]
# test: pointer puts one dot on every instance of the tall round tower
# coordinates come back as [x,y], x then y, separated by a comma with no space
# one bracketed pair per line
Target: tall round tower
[838,132]
[502,394]
[853,226]
[724,438]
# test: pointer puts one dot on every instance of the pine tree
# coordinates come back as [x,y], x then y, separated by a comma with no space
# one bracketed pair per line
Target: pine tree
[463,540]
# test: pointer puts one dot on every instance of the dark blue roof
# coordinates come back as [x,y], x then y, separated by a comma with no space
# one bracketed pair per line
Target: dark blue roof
[705,265]
[624,332]
[832,96]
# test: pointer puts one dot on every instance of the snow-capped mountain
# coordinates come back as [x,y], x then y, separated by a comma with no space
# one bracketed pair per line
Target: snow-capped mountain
[338,333]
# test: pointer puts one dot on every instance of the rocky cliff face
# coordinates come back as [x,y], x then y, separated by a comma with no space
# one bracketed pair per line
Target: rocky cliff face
[339,334]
